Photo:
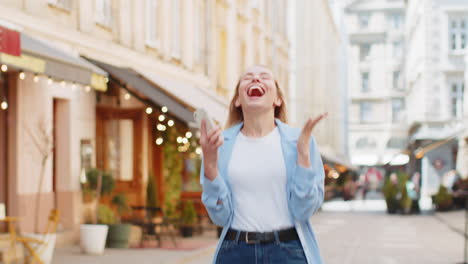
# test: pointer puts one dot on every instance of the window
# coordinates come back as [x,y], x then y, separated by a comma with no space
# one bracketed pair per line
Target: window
[396,20]
[396,80]
[200,32]
[365,143]
[396,143]
[63,4]
[104,12]
[364,51]
[363,20]
[365,112]
[397,50]
[457,100]
[176,28]
[398,107]
[365,82]
[152,16]
[458,33]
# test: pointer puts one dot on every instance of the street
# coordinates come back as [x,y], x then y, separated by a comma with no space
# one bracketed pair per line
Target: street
[346,235]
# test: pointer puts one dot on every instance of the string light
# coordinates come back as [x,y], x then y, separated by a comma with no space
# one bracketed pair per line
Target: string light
[161,127]
[88,88]
[149,110]
[170,123]
[198,150]
[179,140]
[36,78]
[127,96]
[4,68]
[188,134]
[22,75]
[164,109]
[159,141]
[4,105]
[161,118]
[185,140]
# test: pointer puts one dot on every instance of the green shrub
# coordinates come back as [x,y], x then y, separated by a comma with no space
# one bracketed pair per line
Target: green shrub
[108,182]
[189,214]
[151,194]
[105,215]
[443,199]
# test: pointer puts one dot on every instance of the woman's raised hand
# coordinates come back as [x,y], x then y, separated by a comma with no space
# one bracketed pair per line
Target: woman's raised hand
[303,151]
[210,141]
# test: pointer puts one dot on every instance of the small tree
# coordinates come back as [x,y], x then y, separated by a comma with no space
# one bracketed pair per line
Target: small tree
[43,139]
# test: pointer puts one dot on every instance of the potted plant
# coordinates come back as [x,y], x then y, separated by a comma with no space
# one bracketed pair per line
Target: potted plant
[93,233]
[188,219]
[390,191]
[443,200]
[119,232]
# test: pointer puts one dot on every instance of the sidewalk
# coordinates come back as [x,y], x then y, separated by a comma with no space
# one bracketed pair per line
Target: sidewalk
[207,242]
[347,233]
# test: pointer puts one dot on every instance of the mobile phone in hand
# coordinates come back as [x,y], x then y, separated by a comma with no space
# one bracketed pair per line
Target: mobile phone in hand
[201,114]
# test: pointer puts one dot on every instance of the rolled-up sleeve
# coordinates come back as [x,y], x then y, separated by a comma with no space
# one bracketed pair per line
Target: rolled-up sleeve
[216,198]
[307,187]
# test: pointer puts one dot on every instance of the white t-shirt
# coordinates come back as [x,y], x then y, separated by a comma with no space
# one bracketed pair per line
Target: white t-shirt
[257,175]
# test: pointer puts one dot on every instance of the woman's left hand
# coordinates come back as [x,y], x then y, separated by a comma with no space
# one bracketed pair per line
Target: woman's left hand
[303,151]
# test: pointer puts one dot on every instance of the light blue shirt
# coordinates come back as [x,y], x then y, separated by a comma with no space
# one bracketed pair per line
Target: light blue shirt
[304,188]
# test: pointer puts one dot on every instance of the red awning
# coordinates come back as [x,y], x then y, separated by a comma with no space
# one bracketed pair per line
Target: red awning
[10,42]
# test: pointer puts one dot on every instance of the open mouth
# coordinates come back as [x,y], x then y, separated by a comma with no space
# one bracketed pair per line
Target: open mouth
[255,91]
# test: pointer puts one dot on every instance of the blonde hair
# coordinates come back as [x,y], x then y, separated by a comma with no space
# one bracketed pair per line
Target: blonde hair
[235,115]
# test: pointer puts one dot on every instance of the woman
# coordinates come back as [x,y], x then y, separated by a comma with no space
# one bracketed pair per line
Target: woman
[262,179]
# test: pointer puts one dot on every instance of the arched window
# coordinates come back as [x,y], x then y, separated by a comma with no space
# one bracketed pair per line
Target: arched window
[365,143]
[396,143]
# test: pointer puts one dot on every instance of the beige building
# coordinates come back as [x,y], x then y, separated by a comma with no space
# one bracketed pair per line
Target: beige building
[156,53]
[378,130]
[319,76]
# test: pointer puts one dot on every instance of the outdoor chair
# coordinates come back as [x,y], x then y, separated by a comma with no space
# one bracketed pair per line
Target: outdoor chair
[9,249]
[36,246]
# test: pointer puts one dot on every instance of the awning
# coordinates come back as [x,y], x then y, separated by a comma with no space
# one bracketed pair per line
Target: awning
[39,57]
[134,80]
[365,160]
[333,159]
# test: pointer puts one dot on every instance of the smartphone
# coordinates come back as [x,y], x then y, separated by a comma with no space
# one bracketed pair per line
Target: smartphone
[201,114]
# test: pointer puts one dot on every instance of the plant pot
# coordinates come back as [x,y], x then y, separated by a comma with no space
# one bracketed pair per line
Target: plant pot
[186,231]
[93,239]
[46,250]
[118,236]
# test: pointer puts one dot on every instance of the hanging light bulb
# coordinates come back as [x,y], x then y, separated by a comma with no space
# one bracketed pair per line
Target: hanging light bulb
[164,109]
[127,96]
[36,78]
[170,123]
[22,75]
[188,134]
[179,140]
[198,150]
[161,127]
[159,141]
[149,110]
[185,140]
[4,68]
[161,118]
[4,105]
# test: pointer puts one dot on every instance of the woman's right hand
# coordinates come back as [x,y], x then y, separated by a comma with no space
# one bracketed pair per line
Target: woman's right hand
[210,141]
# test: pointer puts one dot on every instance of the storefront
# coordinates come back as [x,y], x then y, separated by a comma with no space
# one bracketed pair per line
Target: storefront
[51,109]
[145,138]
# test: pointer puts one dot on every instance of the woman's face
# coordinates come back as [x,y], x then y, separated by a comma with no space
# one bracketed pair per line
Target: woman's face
[257,90]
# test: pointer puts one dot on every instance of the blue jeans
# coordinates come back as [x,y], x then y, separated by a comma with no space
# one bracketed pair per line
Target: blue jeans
[235,252]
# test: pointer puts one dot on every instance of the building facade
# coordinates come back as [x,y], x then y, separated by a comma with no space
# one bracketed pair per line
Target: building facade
[378,129]
[319,77]
[435,71]
[190,53]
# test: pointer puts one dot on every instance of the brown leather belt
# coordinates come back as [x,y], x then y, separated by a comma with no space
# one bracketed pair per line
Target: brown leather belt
[266,237]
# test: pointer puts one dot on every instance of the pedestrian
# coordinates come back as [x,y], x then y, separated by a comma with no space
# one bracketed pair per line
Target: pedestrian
[262,179]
